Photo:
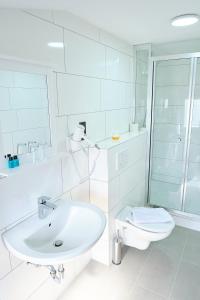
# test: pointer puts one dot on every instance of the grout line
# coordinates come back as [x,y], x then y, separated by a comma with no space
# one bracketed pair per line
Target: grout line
[95,112]
[94,77]
[53,22]
[178,268]
[141,269]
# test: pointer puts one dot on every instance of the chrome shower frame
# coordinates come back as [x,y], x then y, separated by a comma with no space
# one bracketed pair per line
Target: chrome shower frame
[193,57]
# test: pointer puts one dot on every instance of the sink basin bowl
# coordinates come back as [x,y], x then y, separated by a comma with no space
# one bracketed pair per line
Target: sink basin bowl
[70,230]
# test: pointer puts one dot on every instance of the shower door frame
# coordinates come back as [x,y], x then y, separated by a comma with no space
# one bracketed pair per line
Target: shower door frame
[193,57]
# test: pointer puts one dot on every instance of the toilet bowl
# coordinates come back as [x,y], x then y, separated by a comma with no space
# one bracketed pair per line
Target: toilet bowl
[142,235]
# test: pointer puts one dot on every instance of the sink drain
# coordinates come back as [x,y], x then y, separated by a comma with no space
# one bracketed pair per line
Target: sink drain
[58,243]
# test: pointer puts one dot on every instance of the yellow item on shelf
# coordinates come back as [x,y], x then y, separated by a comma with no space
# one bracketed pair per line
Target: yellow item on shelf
[115,137]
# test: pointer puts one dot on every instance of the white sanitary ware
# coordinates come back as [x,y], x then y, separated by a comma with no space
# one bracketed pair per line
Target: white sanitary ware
[140,235]
[70,230]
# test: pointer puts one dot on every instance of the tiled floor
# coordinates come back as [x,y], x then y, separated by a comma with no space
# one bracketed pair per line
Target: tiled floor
[169,269]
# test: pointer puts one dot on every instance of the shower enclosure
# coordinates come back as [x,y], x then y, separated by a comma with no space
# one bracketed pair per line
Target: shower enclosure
[174,173]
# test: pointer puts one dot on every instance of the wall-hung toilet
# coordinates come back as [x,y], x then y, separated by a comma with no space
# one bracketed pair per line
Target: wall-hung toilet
[140,235]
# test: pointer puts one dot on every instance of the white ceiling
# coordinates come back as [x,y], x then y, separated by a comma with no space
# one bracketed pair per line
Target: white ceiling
[137,21]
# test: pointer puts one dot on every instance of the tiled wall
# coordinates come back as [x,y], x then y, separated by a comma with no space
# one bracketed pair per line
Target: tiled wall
[94,82]
[24,113]
[118,180]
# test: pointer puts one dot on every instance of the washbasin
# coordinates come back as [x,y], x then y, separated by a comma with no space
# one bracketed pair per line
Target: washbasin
[70,230]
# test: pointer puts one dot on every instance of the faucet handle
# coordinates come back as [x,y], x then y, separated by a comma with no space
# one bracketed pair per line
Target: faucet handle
[43,199]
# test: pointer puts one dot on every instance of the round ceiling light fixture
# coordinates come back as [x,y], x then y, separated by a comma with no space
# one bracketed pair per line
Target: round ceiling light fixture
[185,20]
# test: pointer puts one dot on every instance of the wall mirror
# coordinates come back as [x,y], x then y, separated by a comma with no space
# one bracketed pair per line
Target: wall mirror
[24,111]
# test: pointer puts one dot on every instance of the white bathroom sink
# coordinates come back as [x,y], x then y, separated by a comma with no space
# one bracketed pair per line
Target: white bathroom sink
[73,226]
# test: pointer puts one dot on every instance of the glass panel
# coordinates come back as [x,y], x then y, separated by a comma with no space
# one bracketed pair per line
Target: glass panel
[192,196]
[170,121]
[142,60]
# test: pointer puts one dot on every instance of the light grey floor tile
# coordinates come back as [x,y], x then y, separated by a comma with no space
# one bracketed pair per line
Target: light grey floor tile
[141,294]
[187,284]
[193,238]
[175,241]
[159,271]
[100,282]
[192,254]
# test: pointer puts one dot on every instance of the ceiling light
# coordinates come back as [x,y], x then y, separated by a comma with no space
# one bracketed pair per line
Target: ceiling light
[56,45]
[185,20]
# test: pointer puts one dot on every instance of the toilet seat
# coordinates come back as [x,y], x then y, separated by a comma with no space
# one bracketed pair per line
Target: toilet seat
[156,227]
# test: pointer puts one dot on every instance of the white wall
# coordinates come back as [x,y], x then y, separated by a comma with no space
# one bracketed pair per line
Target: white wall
[93,82]
[176,47]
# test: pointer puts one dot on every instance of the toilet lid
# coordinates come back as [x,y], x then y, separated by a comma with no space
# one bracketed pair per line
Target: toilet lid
[157,227]
[151,227]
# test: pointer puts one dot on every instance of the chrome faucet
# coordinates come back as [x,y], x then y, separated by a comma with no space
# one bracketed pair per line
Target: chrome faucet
[45,207]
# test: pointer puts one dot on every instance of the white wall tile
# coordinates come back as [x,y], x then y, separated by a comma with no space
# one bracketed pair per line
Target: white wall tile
[105,194]
[101,167]
[114,42]
[100,252]
[15,261]
[81,192]
[4,99]
[117,121]
[115,95]
[84,56]
[95,123]
[61,133]
[28,98]
[74,23]
[118,65]
[73,100]
[136,197]
[99,194]
[131,177]
[74,169]
[37,33]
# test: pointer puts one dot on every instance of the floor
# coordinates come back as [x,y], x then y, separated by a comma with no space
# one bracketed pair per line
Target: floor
[169,269]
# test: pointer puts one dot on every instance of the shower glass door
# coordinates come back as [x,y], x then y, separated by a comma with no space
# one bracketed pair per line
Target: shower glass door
[192,194]
[170,123]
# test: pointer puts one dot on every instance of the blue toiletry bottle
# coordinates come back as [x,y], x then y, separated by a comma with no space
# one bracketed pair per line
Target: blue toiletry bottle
[10,162]
[16,161]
